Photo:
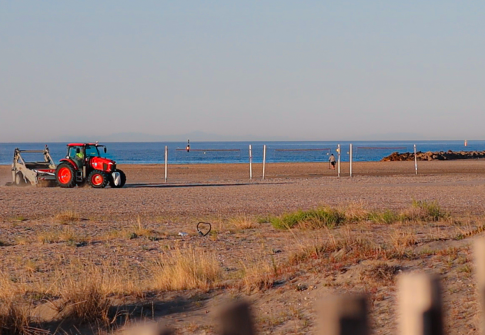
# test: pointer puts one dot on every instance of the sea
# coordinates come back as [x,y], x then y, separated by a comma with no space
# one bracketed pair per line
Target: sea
[238,152]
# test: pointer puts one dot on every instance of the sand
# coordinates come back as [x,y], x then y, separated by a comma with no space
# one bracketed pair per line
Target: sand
[220,189]
[221,193]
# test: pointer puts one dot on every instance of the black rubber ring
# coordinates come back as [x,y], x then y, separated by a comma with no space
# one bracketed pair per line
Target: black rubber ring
[204,223]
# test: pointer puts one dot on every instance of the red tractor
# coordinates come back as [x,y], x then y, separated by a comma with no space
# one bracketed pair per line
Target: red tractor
[84,163]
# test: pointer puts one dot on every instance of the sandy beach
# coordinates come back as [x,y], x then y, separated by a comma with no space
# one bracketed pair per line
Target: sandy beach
[134,227]
[225,189]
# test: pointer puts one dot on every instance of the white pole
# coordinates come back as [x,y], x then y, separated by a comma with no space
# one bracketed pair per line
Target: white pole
[415,160]
[350,153]
[264,160]
[166,163]
[250,163]
[338,160]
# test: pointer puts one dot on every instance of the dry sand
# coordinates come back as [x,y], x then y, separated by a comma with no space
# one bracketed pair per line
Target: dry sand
[198,191]
[219,193]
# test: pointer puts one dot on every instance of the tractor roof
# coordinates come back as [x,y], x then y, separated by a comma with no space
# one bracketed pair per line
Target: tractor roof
[83,144]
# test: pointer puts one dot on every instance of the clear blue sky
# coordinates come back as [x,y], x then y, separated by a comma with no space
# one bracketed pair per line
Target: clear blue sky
[306,70]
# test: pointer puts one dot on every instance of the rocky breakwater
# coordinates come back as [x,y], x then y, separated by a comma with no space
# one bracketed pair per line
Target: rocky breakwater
[430,156]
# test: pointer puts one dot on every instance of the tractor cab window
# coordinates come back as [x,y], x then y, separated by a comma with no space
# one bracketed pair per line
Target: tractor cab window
[92,151]
[74,152]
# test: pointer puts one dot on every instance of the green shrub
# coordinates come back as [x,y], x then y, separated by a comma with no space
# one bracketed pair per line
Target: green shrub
[429,210]
[314,218]
[388,216]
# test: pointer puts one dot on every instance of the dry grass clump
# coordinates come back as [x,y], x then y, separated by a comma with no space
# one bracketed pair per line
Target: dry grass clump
[14,311]
[258,277]
[132,232]
[424,211]
[190,268]
[401,239]
[67,217]
[381,273]
[345,247]
[67,235]
[15,317]
[355,212]
[84,297]
[242,222]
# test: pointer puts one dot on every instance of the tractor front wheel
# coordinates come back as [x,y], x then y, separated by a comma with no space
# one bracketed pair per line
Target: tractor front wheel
[98,179]
[122,180]
[65,175]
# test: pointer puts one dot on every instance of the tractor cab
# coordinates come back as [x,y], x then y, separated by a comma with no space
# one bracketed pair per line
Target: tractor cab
[82,153]
[89,150]
[83,163]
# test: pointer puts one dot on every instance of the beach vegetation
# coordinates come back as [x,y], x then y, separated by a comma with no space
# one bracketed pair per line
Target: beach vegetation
[67,217]
[313,218]
[242,222]
[387,216]
[428,210]
[329,217]
[259,276]
[189,268]
[84,295]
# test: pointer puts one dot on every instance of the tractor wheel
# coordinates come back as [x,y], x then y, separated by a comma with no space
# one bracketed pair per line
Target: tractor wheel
[122,178]
[98,179]
[65,175]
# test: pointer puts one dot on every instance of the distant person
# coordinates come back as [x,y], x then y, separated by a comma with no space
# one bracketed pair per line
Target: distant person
[331,159]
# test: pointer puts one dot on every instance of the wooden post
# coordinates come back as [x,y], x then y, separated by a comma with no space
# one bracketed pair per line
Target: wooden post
[146,328]
[250,163]
[338,160]
[264,160]
[236,319]
[350,155]
[343,315]
[415,160]
[420,311]
[166,163]
[479,260]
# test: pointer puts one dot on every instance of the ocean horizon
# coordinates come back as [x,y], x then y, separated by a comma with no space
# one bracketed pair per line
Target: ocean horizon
[211,152]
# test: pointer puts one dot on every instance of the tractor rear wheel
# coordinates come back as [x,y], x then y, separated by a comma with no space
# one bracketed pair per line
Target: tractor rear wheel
[122,180]
[98,179]
[65,175]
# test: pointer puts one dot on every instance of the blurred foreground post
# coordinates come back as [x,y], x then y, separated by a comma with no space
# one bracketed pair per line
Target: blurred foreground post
[420,311]
[479,259]
[343,315]
[250,162]
[236,319]
[147,328]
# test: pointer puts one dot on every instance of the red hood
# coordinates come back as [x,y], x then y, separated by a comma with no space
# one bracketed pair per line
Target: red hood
[104,164]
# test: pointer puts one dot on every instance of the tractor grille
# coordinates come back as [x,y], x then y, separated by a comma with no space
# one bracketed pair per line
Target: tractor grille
[113,167]
[105,167]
